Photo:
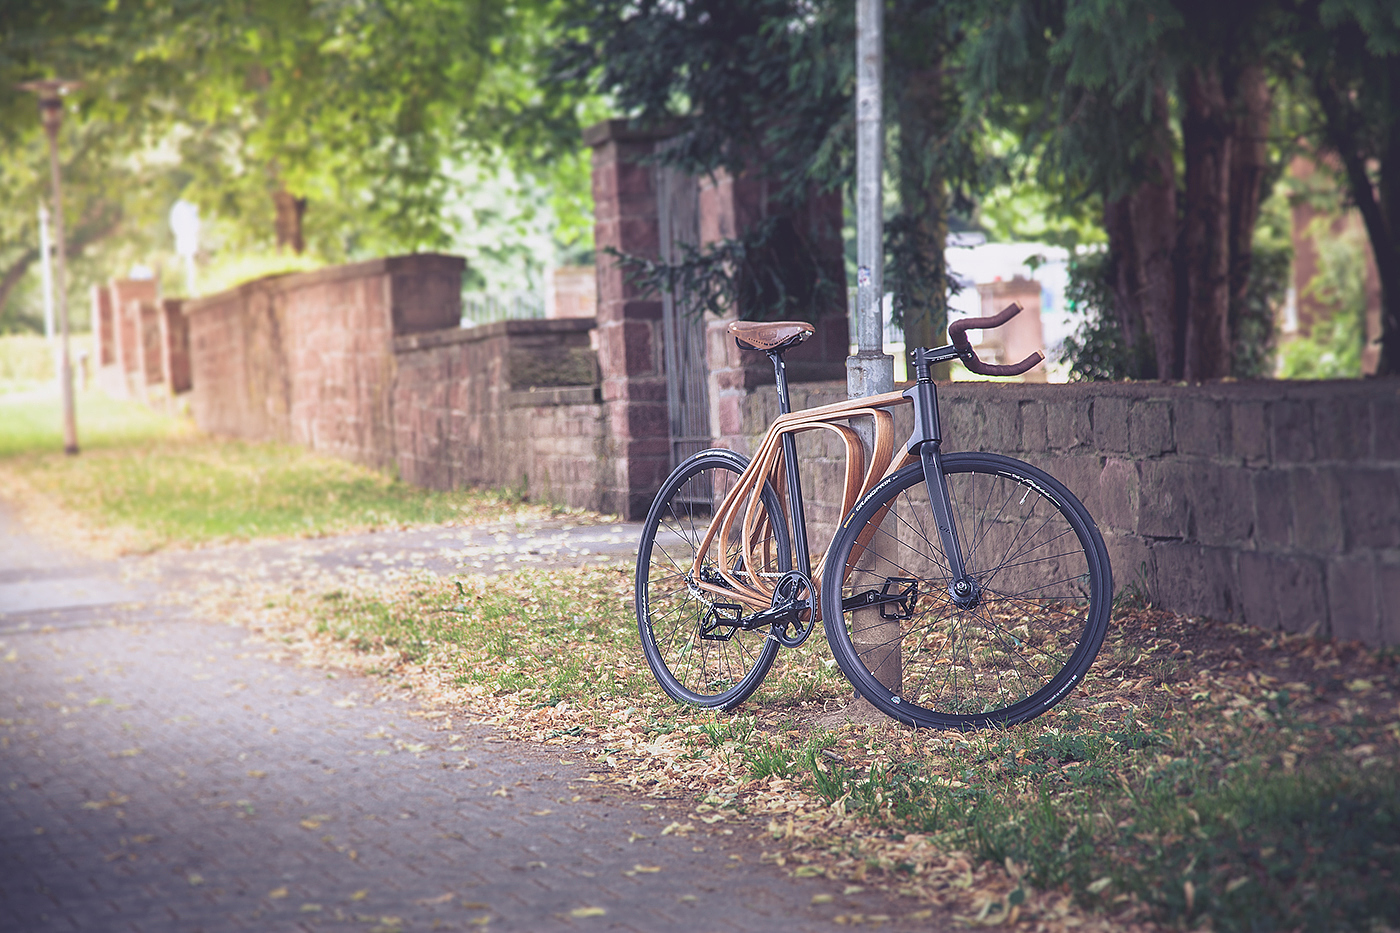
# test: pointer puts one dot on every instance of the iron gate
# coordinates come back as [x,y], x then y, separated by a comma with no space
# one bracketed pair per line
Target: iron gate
[683,325]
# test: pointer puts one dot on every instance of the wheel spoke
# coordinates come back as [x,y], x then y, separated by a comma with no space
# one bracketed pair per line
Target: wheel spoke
[672,607]
[993,655]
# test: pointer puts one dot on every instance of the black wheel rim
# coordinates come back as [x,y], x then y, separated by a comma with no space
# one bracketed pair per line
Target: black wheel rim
[1042,587]
[724,669]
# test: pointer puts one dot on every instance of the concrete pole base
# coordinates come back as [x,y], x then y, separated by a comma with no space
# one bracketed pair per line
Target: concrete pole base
[869,372]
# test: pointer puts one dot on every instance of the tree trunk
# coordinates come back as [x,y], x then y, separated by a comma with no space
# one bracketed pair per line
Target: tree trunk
[1389,260]
[1380,216]
[1205,236]
[918,272]
[1126,270]
[1141,230]
[290,210]
[1248,163]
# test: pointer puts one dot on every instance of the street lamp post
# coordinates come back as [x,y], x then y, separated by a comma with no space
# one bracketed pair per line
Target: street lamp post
[871,370]
[50,94]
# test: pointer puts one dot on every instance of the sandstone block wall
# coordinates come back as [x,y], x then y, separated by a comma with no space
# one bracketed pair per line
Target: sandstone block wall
[1273,504]
[369,362]
[308,358]
[509,404]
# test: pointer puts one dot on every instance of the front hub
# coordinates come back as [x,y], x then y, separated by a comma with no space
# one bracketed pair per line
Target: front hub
[965,593]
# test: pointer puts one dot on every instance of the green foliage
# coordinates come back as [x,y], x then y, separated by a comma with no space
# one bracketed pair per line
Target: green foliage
[1074,82]
[750,87]
[1147,810]
[367,110]
[1347,55]
[743,84]
[1332,350]
[1097,351]
[1253,346]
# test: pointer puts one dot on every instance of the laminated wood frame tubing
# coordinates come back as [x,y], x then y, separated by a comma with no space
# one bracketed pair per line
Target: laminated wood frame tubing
[746,498]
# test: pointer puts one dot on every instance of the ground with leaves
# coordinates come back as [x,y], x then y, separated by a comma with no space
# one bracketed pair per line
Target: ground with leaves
[1204,775]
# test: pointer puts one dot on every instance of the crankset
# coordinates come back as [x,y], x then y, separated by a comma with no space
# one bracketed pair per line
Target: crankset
[794,606]
[793,598]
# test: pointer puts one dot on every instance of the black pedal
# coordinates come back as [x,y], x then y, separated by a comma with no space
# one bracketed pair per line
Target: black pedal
[721,621]
[897,598]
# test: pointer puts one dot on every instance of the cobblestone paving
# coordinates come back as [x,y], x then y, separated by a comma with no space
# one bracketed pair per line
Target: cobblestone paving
[160,772]
[493,548]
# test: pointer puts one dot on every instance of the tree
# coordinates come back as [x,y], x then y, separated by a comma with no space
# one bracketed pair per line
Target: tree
[1349,53]
[72,38]
[935,163]
[763,88]
[338,124]
[314,124]
[1100,88]
[757,89]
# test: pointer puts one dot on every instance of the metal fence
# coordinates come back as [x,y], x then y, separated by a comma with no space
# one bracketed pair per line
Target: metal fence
[489,307]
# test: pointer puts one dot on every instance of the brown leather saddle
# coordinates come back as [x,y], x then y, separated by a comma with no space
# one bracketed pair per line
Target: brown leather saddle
[770,336]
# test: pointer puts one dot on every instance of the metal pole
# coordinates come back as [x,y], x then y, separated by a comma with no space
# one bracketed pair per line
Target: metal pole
[70,418]
[871,370]
[46,266]
[51,112]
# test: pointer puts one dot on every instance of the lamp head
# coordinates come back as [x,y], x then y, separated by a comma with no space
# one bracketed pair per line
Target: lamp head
[50,92]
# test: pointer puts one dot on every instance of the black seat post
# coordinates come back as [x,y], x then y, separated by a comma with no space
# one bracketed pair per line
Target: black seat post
[801,559]
[780,374]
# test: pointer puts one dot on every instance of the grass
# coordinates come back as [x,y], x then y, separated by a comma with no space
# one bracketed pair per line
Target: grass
[1180,786]
[151,481]
[31,423]
[27,361]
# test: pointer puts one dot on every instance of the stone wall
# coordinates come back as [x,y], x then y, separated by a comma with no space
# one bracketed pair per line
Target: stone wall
[510,404]
[368,362]
[1273,504]
[309,358]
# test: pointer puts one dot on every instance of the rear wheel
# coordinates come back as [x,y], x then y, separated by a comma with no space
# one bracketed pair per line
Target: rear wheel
[697,659]
[1004,648]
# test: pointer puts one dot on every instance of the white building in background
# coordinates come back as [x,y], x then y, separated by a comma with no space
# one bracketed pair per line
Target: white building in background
[972,261]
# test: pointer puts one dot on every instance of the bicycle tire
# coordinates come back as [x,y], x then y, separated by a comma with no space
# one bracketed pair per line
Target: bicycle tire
[1045,587]
[670,612]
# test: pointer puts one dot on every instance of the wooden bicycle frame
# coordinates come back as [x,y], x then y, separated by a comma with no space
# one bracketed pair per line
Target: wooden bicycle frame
[769,465]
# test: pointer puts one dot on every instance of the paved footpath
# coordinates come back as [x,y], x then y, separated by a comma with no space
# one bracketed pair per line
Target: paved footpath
[159,773]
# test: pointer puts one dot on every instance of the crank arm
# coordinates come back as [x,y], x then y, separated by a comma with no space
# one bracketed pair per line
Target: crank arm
[898,591]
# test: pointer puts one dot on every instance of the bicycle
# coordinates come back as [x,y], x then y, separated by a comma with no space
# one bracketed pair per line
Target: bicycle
[960,590]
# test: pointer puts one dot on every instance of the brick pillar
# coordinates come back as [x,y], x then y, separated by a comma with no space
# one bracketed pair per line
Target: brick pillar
[728,207]
[630,344]
[127,296]
[174,347]
[102,326]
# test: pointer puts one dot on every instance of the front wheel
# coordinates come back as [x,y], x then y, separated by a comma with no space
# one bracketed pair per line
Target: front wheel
[695,657]
[1000,651]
